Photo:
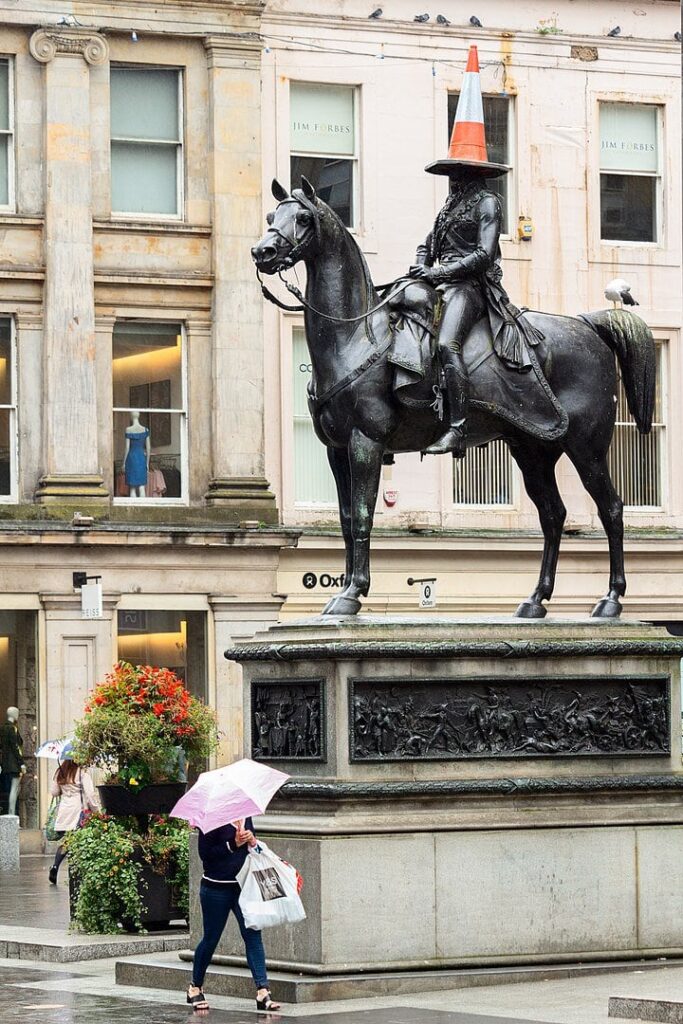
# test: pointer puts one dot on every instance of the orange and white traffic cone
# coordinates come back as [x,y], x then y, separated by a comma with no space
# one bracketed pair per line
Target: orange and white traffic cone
[468,138]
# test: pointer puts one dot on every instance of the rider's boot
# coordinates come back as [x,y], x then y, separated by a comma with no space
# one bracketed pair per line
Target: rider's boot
[454,439]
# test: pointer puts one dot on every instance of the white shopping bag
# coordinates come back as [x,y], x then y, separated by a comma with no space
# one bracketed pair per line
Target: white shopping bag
[268,885]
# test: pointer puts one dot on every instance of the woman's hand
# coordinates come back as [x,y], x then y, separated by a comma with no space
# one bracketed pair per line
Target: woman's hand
[245,835]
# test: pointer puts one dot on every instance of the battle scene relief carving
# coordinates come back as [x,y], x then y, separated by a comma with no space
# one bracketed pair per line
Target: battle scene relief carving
[397,720]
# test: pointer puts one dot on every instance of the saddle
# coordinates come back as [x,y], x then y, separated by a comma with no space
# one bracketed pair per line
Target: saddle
[525,400]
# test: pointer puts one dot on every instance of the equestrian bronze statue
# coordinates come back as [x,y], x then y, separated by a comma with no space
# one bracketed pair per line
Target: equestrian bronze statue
[442,360]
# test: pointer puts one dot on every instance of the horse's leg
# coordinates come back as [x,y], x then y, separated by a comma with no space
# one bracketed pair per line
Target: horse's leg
[338,459]
[595,477]
[537,464]
[365,460]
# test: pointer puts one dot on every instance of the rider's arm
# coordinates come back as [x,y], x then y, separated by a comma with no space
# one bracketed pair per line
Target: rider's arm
[490,219]
[423,253]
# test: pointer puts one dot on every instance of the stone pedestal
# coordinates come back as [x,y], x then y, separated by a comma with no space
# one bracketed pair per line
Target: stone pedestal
[470,792]
[9,843]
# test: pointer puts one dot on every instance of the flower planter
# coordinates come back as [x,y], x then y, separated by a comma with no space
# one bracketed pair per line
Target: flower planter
[158,899]
[157,798]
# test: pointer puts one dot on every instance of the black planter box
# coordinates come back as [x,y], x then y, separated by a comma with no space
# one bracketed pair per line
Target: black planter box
[159,798]
[158,899]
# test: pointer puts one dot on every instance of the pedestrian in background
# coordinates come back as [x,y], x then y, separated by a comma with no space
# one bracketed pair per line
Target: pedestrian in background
[76,793]
[223,852]
[12,765]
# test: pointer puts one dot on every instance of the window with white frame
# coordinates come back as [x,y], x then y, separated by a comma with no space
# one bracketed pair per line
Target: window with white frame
[6,138]
[497,125]
[313,480]
[150,413]
[8,409]
[146,141]
[323,143]
[636,461]
[485,476]
[629,172]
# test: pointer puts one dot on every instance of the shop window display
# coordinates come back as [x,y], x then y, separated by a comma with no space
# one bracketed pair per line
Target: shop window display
[149,411]
[18,689]
[167,639]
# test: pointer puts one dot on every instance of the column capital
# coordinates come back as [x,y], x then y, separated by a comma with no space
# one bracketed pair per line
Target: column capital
[28,319]
[46,43]
[241,50]
[104,323]
[195,327]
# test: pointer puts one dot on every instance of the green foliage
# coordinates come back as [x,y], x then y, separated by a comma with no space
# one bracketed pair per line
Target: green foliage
[140,723]
[106,857]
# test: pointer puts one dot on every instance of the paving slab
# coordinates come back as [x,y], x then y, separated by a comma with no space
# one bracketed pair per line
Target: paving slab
[663,1011]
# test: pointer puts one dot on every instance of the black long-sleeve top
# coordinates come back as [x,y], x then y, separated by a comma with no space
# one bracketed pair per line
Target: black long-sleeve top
[221,857]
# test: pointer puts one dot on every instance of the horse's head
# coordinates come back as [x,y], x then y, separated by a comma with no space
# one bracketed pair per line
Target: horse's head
[293,229]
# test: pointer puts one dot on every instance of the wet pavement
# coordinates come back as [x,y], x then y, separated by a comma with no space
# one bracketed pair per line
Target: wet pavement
[29,899]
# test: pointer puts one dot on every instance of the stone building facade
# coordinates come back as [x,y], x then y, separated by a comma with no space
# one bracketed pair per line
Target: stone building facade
[137,145]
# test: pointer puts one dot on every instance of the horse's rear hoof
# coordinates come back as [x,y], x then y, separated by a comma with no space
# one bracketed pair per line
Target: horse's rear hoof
[607,608]
[531,610]
[341,605]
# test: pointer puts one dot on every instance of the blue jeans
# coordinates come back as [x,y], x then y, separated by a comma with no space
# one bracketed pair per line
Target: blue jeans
[217,901]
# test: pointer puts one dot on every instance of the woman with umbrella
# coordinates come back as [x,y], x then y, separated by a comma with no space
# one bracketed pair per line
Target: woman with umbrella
[74,789]
[219,805]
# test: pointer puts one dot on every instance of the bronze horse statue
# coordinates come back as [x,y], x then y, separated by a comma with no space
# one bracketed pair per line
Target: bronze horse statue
[358,417]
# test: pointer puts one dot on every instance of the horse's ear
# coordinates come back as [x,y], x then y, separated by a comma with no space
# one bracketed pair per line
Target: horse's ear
[279,191]
[307,188]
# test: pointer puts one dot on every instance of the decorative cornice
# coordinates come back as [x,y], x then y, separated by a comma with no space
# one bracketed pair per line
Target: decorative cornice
[382,791]
[334,650]
[45,44]
[234,50]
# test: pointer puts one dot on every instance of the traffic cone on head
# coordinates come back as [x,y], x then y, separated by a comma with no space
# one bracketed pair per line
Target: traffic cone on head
[468,138]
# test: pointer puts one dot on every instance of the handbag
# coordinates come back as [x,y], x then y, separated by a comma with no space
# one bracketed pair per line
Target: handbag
[269,893]
[83,816]
[50,830]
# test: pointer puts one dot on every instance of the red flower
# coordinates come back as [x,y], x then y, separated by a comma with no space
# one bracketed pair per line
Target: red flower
[99,699]
[158,709]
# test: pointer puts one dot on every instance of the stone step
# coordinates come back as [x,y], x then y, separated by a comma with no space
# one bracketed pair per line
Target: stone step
[168,971]
[660,1010]
[59,946]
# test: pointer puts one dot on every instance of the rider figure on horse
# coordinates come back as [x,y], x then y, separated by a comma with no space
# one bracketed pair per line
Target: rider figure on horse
[464,242]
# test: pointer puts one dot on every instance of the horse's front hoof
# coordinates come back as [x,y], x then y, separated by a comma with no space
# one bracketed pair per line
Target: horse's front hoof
[607,608]
[341,605]
[531,610]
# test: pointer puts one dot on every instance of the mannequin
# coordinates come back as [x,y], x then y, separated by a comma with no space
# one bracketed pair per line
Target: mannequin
[136,457]
[11,761]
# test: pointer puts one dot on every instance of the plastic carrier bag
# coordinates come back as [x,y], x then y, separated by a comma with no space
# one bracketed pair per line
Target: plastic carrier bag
[50,830]
[269,890]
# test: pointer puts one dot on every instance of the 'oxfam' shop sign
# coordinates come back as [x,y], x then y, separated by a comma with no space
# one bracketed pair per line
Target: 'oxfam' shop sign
[321,119]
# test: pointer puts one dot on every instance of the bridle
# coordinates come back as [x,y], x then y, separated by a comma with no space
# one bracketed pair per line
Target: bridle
[298,246]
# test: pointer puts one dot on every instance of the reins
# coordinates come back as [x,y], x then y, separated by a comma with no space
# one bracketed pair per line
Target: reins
[396,286]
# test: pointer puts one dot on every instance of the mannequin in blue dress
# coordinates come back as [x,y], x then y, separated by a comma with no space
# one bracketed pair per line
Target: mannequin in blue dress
[136,457]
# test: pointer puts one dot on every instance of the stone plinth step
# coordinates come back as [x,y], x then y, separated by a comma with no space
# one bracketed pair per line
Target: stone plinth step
[60,946]
[660,1010]
[167,971]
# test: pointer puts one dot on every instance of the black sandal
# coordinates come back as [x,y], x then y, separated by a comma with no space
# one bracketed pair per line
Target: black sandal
[197,1001]
[266,1003]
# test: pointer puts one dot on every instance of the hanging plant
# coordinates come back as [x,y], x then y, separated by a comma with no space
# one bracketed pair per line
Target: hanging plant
[142,725]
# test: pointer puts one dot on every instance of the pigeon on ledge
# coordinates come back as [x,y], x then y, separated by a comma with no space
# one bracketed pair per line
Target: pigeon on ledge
[614,31]
[377,13]
[619,291]
[421,17]
[474,20]
[440,20]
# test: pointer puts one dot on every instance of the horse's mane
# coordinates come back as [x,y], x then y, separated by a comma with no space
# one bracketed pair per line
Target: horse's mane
[327,212]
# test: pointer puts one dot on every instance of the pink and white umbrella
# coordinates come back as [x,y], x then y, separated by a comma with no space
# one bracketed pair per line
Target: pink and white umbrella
[227,794]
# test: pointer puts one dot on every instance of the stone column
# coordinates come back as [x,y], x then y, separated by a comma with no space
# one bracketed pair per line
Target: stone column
[70,456]
[236,619]
[104,330]
[238,475]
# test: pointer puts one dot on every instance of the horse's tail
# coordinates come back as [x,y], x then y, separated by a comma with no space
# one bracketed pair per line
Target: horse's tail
[631,340]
